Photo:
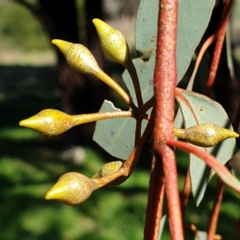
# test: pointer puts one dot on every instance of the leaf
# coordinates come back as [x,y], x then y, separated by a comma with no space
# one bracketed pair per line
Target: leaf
[146,26]
[196,109]
[162,224]
[116,136]
[145,72]
[193,18]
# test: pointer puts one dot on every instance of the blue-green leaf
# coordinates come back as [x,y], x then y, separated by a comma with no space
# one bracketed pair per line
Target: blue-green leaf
[196,109]
[116,136]
[193,18]
[145,74]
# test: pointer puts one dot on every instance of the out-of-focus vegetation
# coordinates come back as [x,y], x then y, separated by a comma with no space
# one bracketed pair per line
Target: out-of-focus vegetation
[19,29]
[30,163]
[22,38]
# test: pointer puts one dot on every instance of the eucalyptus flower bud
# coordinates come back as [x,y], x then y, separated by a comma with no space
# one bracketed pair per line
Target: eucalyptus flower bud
[204,135]
[114,45]
[71,188]
[53,122]
[112,42]
[49,122]
[108,169]
[81,59]
[77,56]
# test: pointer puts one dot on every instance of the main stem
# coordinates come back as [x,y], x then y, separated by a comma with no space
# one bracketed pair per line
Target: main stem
[165,77]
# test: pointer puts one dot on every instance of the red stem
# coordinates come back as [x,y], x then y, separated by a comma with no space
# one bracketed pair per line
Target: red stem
[202,51]
[165,76]
[215,211]
[222,172]
[186,191]
[172,193]
[218,47]
[212,75]
[155,201]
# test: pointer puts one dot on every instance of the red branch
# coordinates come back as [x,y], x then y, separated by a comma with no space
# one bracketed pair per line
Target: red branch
[215,211]
[155,202]
[172,193]
[186,191]
[165,76]
[212,75]
[218,47]
[222,172]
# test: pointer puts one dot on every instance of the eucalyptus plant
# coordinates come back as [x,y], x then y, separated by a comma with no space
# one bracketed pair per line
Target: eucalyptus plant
[200,124]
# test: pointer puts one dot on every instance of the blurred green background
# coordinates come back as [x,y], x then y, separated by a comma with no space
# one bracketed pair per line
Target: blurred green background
[30,163]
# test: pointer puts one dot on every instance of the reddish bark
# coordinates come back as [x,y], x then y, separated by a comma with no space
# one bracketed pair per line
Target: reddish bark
[165,76]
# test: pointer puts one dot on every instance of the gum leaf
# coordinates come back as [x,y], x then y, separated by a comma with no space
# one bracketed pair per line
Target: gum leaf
[193,18]
[117,135]
[196,109]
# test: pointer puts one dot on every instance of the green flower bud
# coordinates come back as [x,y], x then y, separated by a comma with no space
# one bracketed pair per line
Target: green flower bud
[112,42]
[77,56]
[53,122]
[204,135]
[114,45]
[108,169]
[81,59]
[49,122]
[71,188]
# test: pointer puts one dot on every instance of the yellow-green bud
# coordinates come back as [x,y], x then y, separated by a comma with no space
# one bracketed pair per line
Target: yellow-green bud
[112,42]
[80,58]
[71,188]
[77,56]
[204,135]
[49,122]
[108,169]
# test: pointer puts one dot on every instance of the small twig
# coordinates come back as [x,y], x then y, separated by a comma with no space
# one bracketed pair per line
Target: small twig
[140,112]
[211,161]
[186,191]
[133,73]
[218,47]
[215,211]
[130,163]
[204,47]
[92,117]
[138,130]
[155,201]
[115,86]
